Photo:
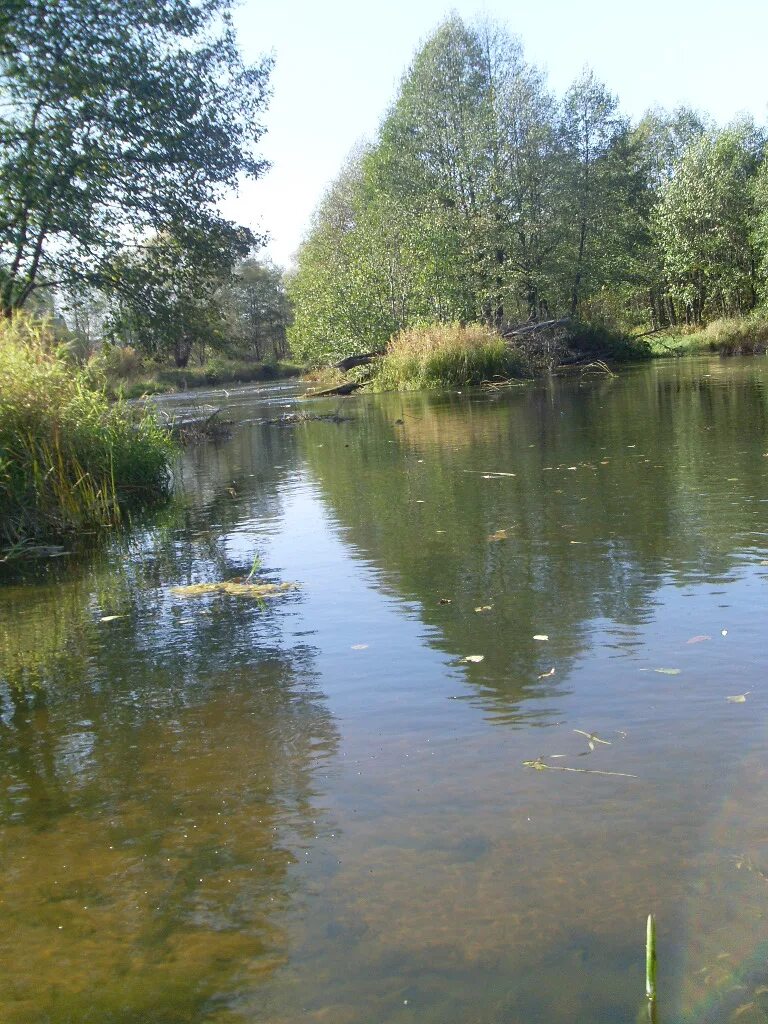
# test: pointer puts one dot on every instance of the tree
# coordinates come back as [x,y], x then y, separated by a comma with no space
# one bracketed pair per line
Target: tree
[118,119]
[704,224]
[598,187]
[172,291]
[259,309]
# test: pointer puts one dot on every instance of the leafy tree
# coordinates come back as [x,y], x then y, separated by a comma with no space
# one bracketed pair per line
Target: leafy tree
[259,309]
[118,119]
[172,291]
[704,224]
[599,188]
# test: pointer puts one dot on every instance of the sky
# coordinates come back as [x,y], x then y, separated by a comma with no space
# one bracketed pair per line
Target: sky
[338,64]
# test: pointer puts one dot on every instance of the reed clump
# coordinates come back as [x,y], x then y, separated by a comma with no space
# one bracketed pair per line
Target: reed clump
[448,356]
[70,460]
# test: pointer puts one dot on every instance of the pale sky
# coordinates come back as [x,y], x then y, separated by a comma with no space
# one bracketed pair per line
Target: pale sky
[338,64]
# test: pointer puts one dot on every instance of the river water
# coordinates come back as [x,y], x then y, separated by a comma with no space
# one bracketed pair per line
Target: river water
[318,810]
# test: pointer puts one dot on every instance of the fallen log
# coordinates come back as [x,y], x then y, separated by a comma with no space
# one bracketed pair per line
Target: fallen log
[189,422]
[361,360]
[340,389]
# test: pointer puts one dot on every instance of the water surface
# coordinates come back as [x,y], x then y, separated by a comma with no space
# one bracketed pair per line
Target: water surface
[217,812]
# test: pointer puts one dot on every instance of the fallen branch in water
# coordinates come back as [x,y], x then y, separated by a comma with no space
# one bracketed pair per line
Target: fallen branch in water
[540,765]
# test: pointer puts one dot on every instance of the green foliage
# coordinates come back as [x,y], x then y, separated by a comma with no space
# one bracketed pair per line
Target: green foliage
[69,460]
[119,118]
[486,199]
[703,225]
[447,356]
[483,199]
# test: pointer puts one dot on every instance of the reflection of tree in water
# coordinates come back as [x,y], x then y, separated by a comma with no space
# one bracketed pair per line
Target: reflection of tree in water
[618,486]
[157,784]
[150,833]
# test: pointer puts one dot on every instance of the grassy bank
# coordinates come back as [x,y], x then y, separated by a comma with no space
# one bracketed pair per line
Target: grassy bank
[745,336]
[70,459]
[130,377]
[450,355]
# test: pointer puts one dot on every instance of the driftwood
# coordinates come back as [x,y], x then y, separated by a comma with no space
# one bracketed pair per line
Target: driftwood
[528,329]
[350,361]
[189,422]
[340,389]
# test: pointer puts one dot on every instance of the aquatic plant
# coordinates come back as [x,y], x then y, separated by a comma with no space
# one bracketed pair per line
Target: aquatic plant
[69,459]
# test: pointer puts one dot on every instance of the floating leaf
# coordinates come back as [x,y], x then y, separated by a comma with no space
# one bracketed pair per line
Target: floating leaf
[739,698]
[474,658]
[698,639]
[668,671]
[444,600]
[499,535]
[488,474]
[484,608]
[540,636]
[546,675]
[593,739]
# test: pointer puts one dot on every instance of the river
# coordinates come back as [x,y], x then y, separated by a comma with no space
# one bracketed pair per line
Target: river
[318,809]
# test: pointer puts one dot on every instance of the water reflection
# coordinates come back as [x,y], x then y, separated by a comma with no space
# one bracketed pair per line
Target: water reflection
[158,760]
[319,811]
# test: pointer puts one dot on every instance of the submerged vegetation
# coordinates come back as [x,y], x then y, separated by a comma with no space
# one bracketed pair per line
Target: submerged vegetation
[70,460]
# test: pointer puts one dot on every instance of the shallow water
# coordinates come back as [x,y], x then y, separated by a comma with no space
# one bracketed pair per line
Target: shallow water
[217,812]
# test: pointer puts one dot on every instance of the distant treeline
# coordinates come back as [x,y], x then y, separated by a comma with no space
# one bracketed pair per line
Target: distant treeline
[486,197]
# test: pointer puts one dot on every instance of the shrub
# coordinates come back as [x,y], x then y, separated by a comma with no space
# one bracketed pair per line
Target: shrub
[69,460]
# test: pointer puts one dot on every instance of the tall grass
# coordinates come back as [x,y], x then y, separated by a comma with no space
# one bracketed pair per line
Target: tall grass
[737,337]
[447,356]
[69,459]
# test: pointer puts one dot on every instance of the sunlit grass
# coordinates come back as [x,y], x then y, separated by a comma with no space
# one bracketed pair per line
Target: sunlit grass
[742,336]
[69,459]
[447,356]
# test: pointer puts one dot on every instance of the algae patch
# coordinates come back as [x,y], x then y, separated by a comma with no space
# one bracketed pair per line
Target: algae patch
[257,591]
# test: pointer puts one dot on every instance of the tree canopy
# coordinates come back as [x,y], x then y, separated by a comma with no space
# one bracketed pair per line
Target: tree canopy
[485,197]
[119,120]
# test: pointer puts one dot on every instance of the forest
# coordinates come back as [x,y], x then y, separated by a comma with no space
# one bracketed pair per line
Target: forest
[487,198]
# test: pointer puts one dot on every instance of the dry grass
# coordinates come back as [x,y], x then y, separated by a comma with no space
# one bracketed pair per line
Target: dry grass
[447,356]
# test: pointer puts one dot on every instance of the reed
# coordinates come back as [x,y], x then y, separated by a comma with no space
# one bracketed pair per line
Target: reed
[70,460]
[650,967]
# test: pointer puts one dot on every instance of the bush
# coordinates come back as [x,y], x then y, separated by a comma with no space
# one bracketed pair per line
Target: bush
[447,356]
[69,460]
[118,361]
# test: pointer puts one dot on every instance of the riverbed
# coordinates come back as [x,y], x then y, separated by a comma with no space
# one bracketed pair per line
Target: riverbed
[515,703]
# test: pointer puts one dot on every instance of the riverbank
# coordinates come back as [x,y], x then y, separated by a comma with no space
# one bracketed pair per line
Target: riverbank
[162,380]
[729,337]
[72,460]
[444,356]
